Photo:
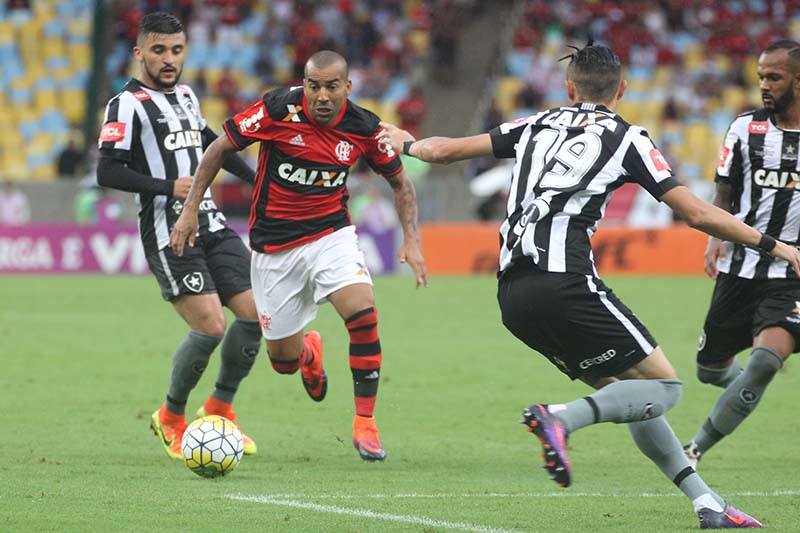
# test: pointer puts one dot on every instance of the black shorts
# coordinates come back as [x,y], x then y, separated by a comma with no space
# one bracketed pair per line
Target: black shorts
[219,262]
[741,308]
[574,320]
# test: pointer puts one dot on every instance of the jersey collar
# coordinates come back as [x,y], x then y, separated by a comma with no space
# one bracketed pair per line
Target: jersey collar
[143,86]
[333,123]
[588,106]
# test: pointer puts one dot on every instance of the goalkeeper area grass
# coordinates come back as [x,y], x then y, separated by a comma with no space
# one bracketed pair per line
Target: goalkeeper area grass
[86,360]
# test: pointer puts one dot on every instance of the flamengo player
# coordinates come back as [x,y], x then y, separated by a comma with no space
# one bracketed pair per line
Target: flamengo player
[305,249]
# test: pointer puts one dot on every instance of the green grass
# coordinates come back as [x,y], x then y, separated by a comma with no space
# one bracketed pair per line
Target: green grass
[85,360]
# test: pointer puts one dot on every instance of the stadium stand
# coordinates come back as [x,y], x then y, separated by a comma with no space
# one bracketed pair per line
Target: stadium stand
[691,66]
[238,49]
[265,44]
[691,63]
[44,60]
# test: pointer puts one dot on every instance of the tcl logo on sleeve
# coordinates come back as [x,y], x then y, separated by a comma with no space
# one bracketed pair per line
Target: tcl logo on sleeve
[112,132]
[142,95]
[758,127]
[658,160]
[724,152]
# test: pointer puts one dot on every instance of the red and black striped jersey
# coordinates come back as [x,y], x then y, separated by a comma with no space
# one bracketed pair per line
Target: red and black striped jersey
[300,191]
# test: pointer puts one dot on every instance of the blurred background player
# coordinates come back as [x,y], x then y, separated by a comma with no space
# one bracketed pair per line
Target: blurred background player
[305,249]
[756,301]
[15,208]
[569,160]
[151,142]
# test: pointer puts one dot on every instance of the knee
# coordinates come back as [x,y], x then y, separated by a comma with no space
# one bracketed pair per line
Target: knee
[289,349]
[213,324]
[763,364]
[673,390]
[709,376]
[215,327]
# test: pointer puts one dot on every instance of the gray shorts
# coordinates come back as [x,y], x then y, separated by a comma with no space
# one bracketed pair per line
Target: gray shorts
[219,262]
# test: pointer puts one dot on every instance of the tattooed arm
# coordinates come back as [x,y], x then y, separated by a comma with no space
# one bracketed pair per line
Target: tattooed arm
[405,201]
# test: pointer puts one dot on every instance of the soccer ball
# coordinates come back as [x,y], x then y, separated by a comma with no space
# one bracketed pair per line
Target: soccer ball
[212,446]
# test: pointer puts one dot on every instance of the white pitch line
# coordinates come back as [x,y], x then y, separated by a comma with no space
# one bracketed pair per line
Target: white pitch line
[410,519]
[565,494]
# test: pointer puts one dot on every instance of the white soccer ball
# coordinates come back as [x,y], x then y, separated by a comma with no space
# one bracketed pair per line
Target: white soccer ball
[212,446]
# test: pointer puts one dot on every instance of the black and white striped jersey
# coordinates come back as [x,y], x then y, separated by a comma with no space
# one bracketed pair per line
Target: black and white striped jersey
[158,134]
[569,160]
[759,161]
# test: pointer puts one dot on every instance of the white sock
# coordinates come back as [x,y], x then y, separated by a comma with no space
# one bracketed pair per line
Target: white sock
[706,501]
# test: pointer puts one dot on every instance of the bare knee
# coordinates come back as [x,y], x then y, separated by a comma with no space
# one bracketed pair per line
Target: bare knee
[212,325]
[287,349]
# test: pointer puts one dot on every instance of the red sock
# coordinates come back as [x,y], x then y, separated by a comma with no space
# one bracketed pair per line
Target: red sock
[365,359]
[290,367]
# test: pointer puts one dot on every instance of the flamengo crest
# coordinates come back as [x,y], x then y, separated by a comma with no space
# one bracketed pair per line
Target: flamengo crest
[343,150]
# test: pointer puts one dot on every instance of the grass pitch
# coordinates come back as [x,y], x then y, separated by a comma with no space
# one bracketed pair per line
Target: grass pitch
[85,361]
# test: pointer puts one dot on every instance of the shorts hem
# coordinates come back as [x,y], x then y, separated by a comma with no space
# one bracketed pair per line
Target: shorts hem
[172,297]
[276,338]
[342,286]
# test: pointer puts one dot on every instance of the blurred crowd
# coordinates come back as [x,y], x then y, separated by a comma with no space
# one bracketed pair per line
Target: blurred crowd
[691,67]
[691,64]
[239,48]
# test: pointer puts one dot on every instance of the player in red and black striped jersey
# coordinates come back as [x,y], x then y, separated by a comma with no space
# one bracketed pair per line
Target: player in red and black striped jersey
[301,193]
[305,250]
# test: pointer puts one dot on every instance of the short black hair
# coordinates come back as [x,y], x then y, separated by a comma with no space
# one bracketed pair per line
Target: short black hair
[791,46]
[159,22]
[325,59]
[596,72]
[781,44]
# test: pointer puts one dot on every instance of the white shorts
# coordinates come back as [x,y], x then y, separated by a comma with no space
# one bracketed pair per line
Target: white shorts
[289,285]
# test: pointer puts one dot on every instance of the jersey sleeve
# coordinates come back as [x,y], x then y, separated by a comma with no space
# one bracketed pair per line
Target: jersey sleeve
[729,168]
[505,137]
[119,125]
[251,125]
[381,157]
[645,164]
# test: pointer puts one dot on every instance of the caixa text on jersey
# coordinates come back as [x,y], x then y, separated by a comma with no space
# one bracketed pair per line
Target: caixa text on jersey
[183,139]
[776,179]
[304,176]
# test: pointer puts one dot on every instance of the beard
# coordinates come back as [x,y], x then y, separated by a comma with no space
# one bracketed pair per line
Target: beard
[156,77]
[783,103]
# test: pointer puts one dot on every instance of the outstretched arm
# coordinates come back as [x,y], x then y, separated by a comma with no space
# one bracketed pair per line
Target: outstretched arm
[721,224]
[436,149]
[715,249]
[185,228]
[405,200]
